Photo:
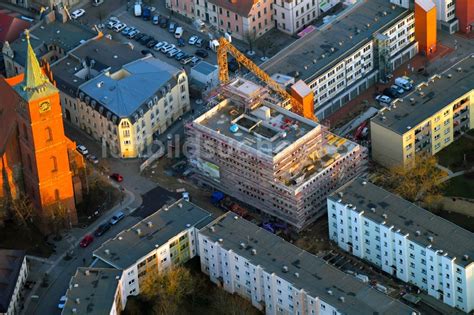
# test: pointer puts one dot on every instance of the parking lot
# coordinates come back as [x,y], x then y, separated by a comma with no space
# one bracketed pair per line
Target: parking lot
[161,34]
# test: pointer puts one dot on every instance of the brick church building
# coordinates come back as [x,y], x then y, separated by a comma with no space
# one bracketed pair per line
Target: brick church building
[36,158]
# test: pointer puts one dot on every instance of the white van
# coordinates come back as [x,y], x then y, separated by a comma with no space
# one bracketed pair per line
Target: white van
[403,83]
[179,32]
[137,9]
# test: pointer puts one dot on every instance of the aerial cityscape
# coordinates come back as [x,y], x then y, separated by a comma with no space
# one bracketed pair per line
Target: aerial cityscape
[283,157]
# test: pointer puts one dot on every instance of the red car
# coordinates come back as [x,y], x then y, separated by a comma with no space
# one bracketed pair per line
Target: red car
[86,240]
[117,177]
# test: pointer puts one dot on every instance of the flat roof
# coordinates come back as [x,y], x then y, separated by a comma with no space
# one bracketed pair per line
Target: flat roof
[408,218]
[336,40]
[205,68]
[66,35]
[305,271]
[98,55]
[10,265]
[92,291]
[126,91]
[127,247]
[431,97]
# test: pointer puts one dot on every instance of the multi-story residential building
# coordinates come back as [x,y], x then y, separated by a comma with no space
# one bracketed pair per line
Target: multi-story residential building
[253,149]
[50,42]
[405,241]
[465,15]
[12,278]
[95,291]
[280,278]
[37,5]
[428,119]
[291,16]
[342,59]
[163,239]
[122,106]
[236,17]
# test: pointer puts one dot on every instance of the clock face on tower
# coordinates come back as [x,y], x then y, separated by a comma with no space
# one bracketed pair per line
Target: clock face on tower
[44,106]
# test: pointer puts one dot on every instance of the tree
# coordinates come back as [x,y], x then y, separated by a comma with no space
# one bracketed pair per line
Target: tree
[22,211]
[250,38]
[422,182]
[58,216]
[167,289]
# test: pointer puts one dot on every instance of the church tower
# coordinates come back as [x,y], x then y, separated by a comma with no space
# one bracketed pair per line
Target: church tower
[43,145]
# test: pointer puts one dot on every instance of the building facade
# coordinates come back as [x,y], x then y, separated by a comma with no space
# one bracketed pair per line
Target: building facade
[357,53]
[279,278]
[241,18]
[36,155]
[125,108]
[429,119]
[446,15]
[14,274]
[166,238]
[465,14]
[270,158]
[405,241]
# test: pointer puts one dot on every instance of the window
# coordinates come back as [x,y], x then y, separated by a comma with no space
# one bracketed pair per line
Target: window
[54,164]
[49,134]
[56,194]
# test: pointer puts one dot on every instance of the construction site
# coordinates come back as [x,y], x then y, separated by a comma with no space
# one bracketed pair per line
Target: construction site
[254,145]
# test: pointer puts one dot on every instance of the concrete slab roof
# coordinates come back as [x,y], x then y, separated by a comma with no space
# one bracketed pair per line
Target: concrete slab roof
[127,247]
[429,98]
[205,68]
[409,218]
[320,50]
[305,271]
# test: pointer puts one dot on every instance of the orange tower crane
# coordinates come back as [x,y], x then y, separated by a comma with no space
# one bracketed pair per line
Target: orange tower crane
[301,98]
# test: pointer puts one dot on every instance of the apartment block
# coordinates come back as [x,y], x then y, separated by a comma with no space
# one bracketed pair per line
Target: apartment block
[163,239]
[95,291]
[236,17]
[405,241]
[428,119]
[446,15]
[292,16]
[365,43]
[250,147]
[14,273]
[280,278]
[47,47]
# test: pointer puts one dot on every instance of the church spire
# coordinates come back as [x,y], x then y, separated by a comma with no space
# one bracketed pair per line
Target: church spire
[34,77]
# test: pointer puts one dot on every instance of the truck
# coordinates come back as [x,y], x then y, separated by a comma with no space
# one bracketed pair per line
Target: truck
[137,9]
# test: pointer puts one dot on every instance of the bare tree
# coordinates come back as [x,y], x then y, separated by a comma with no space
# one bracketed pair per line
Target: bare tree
[58,217]
[228,304]
[250,38]
[22,211]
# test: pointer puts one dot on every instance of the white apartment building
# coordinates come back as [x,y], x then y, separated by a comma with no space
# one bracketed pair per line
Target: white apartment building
[12,278]
[163,239]
[405,241]
[292,16]
[342,59]
[280,278]
[123,108]
[95,291]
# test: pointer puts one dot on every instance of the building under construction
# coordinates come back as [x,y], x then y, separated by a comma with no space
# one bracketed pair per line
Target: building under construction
[252,148]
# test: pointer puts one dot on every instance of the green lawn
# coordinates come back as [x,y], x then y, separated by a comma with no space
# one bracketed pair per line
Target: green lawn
[460,186]
[453,156]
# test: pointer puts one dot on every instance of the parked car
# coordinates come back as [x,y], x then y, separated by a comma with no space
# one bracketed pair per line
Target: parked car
[185,195]
[117,217]
[77,13]
[119,27]
[117,177]
[201,53]
[403,83]
[82,149]
[86,241]
[173,52]
[171,27]
[192,40]
[195,60]
[151,43]
[389,93]
[111,23]
[166,49]
[163,22]
[155,20]
[398,91]
[178,32]
[144,39]
[133,34]
[62,302]
[92,158]
[199,42]
[139,36]
[186,60]
[159,45]
[146,14]
[181,42]
[104,227]
[383,99]
[180,55]
[126,30]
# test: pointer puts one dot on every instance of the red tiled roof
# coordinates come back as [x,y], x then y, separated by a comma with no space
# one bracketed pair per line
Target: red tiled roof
[8,101]
[11,27]
[241,7]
